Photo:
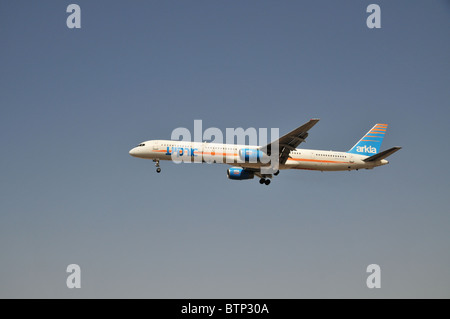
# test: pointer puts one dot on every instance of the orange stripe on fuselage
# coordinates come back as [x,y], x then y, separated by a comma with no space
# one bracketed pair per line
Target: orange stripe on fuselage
[218,154]
[314,160]
[290,158]
[203,153]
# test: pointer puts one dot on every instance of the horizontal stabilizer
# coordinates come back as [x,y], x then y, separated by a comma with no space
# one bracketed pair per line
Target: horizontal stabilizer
[381,155]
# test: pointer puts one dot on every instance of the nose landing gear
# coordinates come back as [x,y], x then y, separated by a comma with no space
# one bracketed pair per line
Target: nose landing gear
[158,169]
[264,181]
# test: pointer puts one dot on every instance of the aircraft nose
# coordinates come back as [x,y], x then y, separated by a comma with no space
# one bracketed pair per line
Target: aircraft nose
[133,152]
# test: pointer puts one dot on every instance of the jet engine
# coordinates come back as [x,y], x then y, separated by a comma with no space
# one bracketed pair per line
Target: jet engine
[249,155]
[239,173]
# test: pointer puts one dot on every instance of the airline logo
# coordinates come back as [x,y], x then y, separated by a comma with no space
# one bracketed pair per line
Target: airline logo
[366,149]
[180,151]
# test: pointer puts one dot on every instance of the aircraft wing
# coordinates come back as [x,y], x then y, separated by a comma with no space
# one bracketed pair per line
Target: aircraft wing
[290,141]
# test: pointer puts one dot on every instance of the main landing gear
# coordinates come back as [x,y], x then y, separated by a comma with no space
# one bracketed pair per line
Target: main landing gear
[264,180]
[158,169]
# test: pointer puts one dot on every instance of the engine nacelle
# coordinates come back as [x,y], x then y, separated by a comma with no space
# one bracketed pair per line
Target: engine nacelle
[239,173]
[250,155]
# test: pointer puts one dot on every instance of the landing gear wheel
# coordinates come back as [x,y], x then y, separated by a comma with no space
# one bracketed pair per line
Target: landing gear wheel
[276,173]
[158,170]
[267,182]
[262,180]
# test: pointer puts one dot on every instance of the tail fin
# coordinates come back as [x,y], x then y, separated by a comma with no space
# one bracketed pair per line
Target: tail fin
[370,143]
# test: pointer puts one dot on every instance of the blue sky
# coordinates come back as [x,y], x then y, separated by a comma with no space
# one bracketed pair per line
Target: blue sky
[73,102]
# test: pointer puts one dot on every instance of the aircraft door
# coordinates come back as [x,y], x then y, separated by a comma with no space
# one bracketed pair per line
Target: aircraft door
[351,160]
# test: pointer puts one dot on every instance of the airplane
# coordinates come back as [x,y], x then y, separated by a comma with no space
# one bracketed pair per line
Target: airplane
[247,160]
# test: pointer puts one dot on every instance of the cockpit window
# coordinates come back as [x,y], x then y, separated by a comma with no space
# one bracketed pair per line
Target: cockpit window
[141,144]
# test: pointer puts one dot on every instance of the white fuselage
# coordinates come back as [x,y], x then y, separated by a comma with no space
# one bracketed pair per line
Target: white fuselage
[229,154]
